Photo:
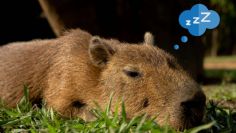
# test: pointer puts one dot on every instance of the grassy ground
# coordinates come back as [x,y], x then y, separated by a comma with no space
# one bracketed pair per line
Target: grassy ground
[221,68]
[28,118]
[221,92]
[221,59]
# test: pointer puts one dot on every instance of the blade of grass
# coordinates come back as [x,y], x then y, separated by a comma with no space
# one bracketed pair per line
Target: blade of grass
[202,127]
[123,112]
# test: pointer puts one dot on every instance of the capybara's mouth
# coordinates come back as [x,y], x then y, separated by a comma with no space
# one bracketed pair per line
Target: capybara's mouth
[191,119]
[187,119]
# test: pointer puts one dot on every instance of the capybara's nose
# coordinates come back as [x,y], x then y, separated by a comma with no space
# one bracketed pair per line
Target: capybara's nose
[194,104]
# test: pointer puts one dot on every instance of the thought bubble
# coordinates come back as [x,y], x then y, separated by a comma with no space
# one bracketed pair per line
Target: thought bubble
[198,19]
[184,39]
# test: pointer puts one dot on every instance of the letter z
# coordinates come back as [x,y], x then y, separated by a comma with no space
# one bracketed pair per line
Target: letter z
[204,19]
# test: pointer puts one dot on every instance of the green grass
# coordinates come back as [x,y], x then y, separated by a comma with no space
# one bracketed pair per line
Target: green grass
[227,117]
[224,75]
[221,92]
[28,118]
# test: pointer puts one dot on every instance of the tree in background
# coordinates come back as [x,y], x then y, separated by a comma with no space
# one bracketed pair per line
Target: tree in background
[221,41]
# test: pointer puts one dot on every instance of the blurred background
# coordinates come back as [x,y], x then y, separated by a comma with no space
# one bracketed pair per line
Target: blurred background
[210,59]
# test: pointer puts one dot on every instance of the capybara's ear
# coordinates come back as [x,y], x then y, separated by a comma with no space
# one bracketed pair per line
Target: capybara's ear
[148,38]
[99,51]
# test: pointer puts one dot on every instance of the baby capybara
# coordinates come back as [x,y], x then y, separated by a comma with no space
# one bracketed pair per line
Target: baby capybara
[76,70]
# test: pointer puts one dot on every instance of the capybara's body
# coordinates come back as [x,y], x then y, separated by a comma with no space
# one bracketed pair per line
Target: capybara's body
[72,72]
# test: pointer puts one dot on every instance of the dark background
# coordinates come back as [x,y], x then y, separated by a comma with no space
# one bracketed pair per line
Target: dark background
[126,20]
[21,20]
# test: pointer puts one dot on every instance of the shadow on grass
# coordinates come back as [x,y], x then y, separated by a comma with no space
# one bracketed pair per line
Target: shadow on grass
[219,76]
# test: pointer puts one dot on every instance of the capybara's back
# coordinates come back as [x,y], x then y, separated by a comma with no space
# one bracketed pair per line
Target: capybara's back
[73,71]
[22,64]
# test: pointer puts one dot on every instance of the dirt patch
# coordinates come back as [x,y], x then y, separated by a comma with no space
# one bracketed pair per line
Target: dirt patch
[221,62]
[220,65]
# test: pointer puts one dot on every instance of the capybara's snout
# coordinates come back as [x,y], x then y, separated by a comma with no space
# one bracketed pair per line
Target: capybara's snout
[193,107]
[195,102]
[189,110]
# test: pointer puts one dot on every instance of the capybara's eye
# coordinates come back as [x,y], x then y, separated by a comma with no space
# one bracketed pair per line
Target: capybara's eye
[131,73]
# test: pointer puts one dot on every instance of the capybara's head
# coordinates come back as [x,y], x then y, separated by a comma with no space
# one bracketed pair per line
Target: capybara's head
[149,80]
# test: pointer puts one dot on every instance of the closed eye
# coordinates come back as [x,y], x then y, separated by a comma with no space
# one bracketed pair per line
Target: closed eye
[131,73]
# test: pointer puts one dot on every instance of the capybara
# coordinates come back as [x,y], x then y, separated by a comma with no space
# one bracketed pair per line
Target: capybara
[72,72]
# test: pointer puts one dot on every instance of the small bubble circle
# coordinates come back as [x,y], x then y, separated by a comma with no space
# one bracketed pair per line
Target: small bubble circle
[184,39]
[176,47]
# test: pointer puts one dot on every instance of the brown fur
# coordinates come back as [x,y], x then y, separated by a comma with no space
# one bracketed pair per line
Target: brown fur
[73,71]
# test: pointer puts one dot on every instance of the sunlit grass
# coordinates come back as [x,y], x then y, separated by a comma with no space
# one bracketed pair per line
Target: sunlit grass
[28,118]
[220,92]
[220,59]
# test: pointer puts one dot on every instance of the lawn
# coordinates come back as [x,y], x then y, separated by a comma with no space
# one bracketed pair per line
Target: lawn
[28,118]
[220,68]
